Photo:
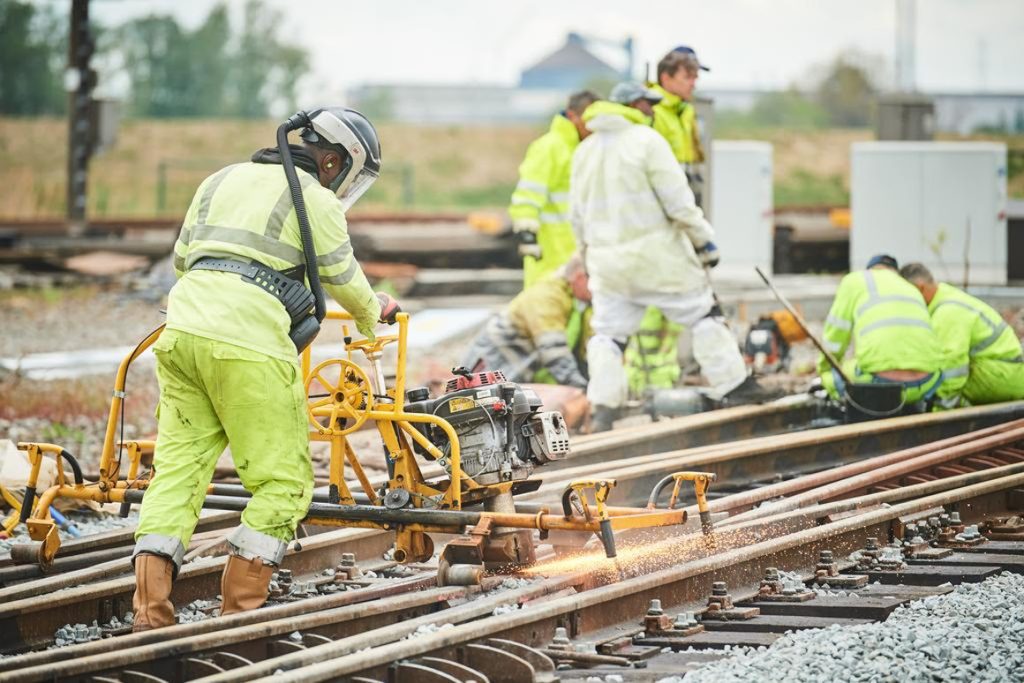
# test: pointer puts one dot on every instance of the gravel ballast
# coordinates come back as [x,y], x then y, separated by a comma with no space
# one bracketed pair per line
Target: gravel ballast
[975,633]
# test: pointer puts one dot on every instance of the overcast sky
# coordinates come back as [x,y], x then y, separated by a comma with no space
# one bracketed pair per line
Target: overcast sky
[962,45]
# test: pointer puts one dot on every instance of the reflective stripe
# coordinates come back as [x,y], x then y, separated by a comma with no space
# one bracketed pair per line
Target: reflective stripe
[337,256]
[207,198]
[891,298]
[532,186]
[252,544]
[554,217]
[894,322]
[547,340]
[179,263]
[997,329]
[839,323]
[559,197]
[833,346]
[283,208]
[869,280]
[342,278]
[164,546]
[959,371]
[523,201]
[245,238]
[989,340]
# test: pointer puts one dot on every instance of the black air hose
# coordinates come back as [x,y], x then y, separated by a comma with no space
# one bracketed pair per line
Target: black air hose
[297,121]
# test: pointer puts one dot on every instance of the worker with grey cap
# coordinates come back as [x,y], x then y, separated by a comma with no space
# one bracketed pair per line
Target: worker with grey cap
[639,228]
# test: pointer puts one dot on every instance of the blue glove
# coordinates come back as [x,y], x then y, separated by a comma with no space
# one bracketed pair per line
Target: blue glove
[708,255]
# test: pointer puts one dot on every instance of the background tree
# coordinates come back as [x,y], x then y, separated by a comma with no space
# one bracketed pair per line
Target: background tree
[847,89]
[33,49]
[210,71]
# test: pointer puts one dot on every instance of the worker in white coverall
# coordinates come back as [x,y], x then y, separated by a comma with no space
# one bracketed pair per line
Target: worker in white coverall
[641,233]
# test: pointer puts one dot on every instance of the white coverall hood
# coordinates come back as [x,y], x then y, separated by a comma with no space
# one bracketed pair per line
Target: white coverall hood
[635,212]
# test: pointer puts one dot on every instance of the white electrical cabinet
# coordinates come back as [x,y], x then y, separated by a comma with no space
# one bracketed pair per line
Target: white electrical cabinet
[742,207]
[940,203]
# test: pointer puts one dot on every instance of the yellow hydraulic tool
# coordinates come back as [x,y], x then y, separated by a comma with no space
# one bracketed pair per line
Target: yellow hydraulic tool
[701,482]
[577,490]
[479,442]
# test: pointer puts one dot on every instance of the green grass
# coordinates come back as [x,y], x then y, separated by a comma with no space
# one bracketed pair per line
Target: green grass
[803,188]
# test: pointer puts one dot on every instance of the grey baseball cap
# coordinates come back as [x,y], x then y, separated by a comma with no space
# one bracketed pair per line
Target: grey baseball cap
[631,91]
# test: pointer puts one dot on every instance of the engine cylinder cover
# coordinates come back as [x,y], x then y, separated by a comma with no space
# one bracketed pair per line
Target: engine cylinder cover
[503,434]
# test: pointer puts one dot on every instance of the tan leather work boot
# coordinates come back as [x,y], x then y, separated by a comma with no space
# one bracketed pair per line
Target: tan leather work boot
[244,584]
[152,600]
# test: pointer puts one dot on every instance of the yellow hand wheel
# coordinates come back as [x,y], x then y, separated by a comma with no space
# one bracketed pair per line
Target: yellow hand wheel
[346,395]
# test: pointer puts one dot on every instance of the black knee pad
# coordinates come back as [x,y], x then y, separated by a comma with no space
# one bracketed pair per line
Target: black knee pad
[715,312]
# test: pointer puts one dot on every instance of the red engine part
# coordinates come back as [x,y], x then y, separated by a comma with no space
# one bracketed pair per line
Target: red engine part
[465,379]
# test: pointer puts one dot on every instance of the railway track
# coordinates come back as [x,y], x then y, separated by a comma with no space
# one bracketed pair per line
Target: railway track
[981,473]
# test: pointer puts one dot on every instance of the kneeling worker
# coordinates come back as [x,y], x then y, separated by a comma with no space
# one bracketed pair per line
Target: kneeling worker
[542,335]
[227,368]
[984,355]
[886,319]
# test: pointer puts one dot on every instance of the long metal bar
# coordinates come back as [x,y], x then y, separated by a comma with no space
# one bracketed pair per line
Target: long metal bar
[746,499]
[900,467]
[829,356]
[627,597]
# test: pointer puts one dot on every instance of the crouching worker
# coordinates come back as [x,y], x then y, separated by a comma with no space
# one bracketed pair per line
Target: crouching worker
[885,321]
[542,335]
[227,368]
[985,362]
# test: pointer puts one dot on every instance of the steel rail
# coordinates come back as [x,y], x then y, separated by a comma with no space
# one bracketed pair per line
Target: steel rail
[596,608]
[31,622]
[394,610]
[899,466]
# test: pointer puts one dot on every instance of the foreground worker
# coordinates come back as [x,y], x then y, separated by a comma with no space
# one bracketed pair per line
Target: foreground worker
[886,320]
[228,370]
[542,335]
[540,202]
[985,363]
[642,236]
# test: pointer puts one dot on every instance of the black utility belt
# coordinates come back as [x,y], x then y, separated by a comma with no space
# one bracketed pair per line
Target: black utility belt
[293,294]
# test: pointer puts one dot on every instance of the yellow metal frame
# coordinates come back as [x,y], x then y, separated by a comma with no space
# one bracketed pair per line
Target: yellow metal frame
[356,398]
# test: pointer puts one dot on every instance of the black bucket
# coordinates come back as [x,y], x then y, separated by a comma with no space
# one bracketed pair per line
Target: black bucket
[873,401]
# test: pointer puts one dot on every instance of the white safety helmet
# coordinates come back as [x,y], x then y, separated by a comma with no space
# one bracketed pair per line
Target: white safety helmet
[349,130]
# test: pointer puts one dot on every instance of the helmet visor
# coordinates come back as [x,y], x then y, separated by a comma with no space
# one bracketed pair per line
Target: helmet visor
[349,192]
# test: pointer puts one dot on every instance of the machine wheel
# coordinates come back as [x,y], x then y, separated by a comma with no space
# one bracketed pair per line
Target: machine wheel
[458,574]
[349,397]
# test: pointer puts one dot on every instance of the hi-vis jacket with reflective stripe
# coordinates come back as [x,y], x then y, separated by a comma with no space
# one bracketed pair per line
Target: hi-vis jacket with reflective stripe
[972,333]
[541,337]
[676,120]
[540,201]
[245,212]
[886,319]
[633,209]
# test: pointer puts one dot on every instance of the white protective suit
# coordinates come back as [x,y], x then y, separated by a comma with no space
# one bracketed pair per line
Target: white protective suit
[634,216]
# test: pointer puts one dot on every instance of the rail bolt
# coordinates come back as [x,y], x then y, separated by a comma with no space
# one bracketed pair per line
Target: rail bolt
[561,640]
[654,609]
[684,621]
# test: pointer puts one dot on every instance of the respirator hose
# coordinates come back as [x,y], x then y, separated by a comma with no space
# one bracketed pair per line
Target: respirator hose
[297,121]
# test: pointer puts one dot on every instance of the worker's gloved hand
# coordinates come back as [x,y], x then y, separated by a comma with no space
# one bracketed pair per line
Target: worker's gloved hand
[525,231]
[528,244]
[389,308]
[708,255]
